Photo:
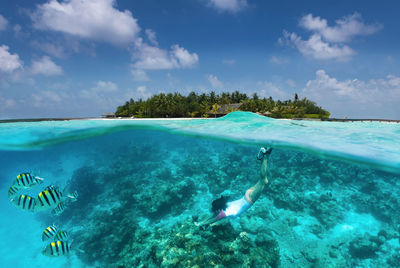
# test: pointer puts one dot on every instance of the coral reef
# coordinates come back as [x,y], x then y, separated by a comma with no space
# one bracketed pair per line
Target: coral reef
[104,236]
[187,245]
[165,197]
[366,246]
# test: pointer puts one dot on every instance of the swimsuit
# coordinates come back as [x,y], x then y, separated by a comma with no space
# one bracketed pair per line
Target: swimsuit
[235,208]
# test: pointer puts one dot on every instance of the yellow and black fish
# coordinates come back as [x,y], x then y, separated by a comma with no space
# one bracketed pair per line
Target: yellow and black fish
[24,202]
[27,180]
[57,248]
[49,198]
[51,187]
[58,209]
[13,191]
[61,236]
[49,232]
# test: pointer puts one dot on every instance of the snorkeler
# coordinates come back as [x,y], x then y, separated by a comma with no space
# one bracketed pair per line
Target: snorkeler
[222,209]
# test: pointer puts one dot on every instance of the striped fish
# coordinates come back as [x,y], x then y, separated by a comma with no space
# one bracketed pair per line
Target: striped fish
[61,236]
[49,232]
[49,198]
[58,209]
[51,187]
[27,181]
[13,191]
[24,202]
[57,248]
[73,196]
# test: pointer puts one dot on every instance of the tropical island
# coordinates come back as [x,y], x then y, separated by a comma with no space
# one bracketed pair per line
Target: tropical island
[214,105]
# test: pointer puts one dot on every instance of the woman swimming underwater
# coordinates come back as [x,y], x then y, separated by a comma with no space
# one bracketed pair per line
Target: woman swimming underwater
[222,209]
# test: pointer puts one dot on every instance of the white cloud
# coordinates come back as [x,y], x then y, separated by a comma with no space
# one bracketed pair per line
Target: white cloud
[51,95]
[45,66]
[101,20]
[151,35]
[228,5]
[48,98]
[105,86]
[19,33]
[328,42]
[373,98]
[318,49]
[91,19]
[269,89]
[214,81]
[149,57]
[8,62]
[323,83]
[278,60]
[142,92]
[344,30]
[104,95]
[3,23]
[139,75]
[183,57]
[52,49]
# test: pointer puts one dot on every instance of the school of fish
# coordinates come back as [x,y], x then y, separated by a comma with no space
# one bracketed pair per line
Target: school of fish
[51,198]
[59,246]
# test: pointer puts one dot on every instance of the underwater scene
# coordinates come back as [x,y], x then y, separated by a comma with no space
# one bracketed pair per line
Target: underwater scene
[137,193]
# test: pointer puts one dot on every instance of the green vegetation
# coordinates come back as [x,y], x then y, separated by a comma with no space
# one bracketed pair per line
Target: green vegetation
[212,104]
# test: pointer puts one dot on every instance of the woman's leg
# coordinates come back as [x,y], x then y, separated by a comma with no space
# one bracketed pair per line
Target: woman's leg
[254,192]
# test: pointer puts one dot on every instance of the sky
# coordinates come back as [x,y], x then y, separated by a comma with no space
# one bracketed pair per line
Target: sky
[82,58]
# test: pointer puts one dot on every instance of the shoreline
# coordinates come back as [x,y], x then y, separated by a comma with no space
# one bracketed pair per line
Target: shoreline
[190,118]
[92,118]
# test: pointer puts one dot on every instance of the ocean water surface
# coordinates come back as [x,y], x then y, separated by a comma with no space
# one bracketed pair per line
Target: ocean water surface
[332,198]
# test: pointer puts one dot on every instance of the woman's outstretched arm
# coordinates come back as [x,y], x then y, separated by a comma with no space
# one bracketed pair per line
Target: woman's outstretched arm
[254,192]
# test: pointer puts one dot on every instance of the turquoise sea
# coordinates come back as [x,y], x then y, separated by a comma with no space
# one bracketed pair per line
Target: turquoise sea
[333,198]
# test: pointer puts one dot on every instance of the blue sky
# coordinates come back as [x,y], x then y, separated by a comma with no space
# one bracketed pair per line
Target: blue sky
[85,57]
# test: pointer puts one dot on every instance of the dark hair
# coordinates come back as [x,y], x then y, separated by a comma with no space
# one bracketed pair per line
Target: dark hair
[219,204]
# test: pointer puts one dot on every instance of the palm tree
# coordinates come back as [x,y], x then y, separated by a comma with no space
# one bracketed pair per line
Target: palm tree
[215,109]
